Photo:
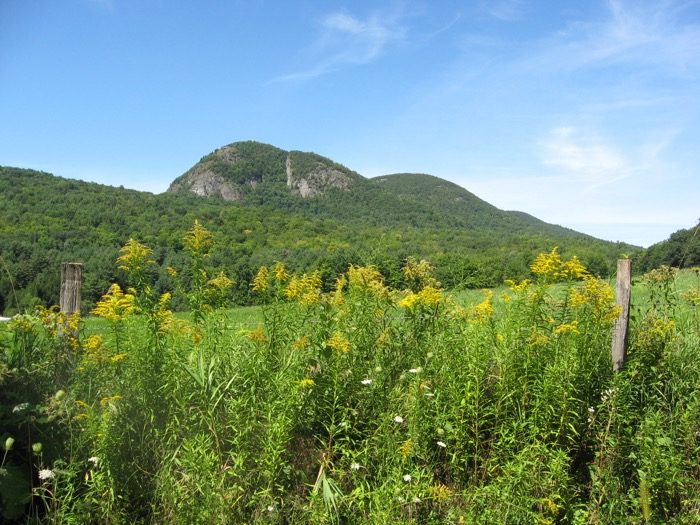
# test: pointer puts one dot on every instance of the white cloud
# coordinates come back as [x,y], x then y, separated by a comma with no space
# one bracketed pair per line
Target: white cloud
[566,149]
[347,40]
[505,10]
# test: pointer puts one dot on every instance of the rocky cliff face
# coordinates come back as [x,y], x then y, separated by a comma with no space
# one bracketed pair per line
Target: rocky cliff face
[235,170]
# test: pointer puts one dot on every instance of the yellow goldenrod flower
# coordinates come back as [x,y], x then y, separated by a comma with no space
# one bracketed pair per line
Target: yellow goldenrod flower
[280,272]
[567,328]
[307,382]
[367,279]
[135,257]
[440,492]
[258,335]
[305,290]
[115,305]
[484,310]
[551,268]
[261,282]
[118,358]
[198,240]
[339,343]
[301,343]
[406,448]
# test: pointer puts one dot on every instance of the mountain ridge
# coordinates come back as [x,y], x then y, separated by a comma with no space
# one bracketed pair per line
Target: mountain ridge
[46,219]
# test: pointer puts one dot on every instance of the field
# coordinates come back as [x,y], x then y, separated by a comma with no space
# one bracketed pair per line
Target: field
[362,404]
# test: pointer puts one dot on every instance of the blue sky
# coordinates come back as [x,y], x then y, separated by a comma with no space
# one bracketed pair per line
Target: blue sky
[584,114]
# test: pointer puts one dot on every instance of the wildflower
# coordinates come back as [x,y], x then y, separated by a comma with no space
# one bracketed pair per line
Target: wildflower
[339,343]
[567,328]
[46,474]
[301,343]
[261,282]
[407,478]
[20,408]
[305,290]
[135,257]
[115,305]
[366,382]
[198,240]
[398,419]
[92,343]
[441,444]
[591,410]
[258,335]
[367,279]
[94,460]
[552,268]
[355,466]
[220,283]
[118,358]
[270,508]
[406,448]
[416,370]
[419,271]
[280,272]
[306,383]
[484,310]
[440,492]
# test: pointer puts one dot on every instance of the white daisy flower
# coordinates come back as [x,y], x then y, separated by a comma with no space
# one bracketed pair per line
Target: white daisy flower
[407,478]
[398,419]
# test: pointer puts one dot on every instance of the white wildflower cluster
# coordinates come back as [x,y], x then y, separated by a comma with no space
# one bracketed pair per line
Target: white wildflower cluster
[398,419]
[416,370]
[591,411]
[608,394]
[46,474]
[441,444]
[366,382]
[94,460]
[407,478]
[355,466]
[20,408]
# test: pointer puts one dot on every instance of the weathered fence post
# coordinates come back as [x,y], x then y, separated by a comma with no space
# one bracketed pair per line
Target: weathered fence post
[71,281]
[622,294]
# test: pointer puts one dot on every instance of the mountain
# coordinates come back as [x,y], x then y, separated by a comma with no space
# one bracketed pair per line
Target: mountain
[233,171]
[264,204]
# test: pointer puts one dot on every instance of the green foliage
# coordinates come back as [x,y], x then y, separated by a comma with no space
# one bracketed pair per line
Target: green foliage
[680,250]
[46,220]
[365,403]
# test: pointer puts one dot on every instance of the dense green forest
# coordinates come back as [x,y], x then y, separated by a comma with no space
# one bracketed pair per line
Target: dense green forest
[46,220]
[680,250]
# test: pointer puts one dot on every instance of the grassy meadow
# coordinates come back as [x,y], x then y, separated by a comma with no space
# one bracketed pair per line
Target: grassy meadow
[362,404]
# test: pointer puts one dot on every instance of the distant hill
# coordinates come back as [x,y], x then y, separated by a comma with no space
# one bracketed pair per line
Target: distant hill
[680,250]
[264,204]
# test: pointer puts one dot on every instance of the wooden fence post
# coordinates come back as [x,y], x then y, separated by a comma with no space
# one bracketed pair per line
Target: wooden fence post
[71,282]
[622,294]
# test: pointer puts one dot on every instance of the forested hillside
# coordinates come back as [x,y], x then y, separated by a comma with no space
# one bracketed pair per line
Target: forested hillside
[45,220]
[680,250]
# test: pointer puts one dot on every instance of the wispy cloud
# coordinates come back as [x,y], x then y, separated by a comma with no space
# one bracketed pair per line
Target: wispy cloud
[639,33]
[348,40]
[505,10]
[566,149]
